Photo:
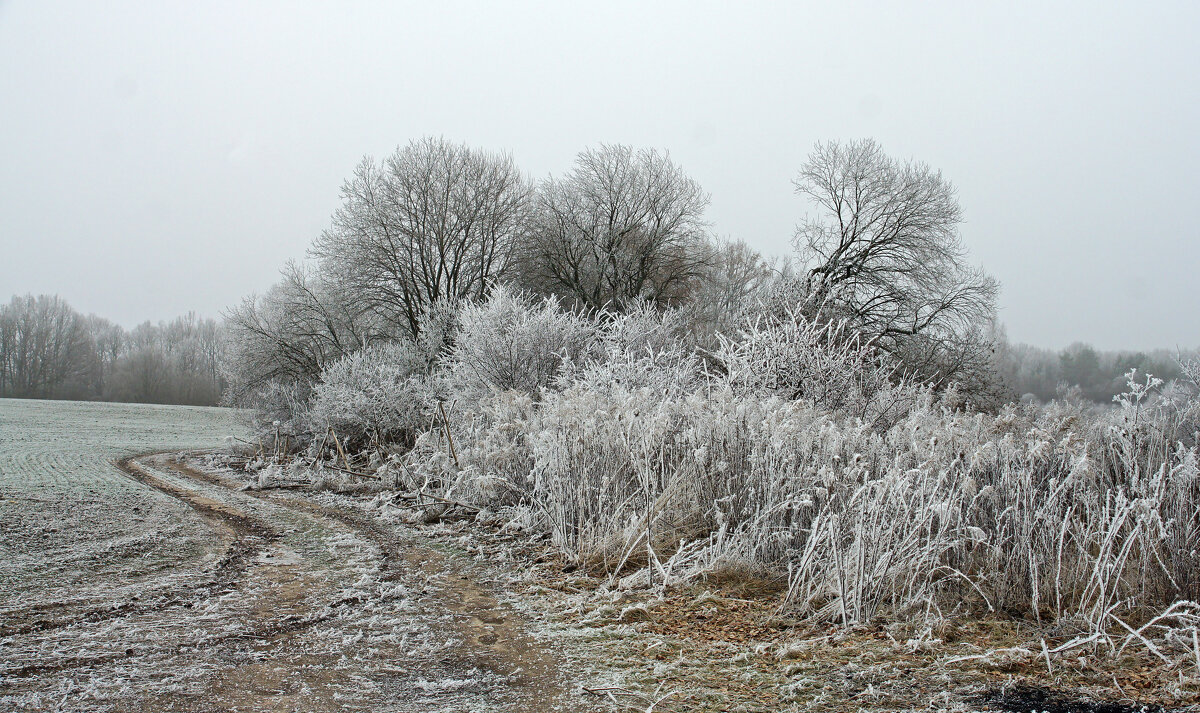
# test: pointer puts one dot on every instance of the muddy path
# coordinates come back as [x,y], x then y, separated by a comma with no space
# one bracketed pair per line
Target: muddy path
[307,606]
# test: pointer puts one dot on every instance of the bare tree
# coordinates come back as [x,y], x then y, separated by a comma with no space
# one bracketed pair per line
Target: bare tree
[621,226]
[885,250]
[111,344]
[45,348]
[291,333]
[435,220]
[733,274]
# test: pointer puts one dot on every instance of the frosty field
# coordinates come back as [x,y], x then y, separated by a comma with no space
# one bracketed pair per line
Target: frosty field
[165,587]
[72,521]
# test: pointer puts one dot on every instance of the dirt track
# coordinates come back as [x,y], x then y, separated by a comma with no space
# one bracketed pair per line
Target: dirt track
[307,606]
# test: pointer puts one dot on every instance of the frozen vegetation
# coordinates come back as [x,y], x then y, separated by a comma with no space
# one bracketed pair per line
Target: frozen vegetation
[670,412]
[790,453]
[709,480]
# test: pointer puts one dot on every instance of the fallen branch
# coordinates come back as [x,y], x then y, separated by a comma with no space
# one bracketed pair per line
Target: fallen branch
[282,485]
[1025,653]
[355,472]
[611,692]
[614,690]
[440,500]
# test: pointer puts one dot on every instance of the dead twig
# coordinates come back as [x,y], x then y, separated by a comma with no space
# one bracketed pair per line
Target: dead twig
[437,498]
[355,472]
[611,692]
[446,429]
[338,443]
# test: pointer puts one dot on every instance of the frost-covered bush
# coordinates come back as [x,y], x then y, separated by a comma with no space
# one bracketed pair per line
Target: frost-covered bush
[1146,449]
[377,395]
[513,342]
[642,348]
[643,328]
[277,406]
[660,373]
[784,291]
[716,479]
[944,511]
[1181,399]
[590,473]
[822,363]
[807,459]
[493,459]
[437,324]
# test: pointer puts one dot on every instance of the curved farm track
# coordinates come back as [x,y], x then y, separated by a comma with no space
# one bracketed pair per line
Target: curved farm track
[303,606]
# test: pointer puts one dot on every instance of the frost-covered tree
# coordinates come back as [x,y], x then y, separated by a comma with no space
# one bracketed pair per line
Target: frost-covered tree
[435,220]
[884,250]
[290,334]
[622,226]
[111,343]
[733,276]
[45,348]
[169,362]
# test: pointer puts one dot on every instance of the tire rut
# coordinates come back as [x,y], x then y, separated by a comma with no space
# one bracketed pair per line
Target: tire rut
[484,635]
[246,536]
[493,638]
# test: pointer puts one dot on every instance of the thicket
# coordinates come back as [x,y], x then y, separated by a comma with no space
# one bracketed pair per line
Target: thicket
[872,473]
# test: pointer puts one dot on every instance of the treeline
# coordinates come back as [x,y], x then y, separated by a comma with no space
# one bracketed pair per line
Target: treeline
[50,351]
[1080,370]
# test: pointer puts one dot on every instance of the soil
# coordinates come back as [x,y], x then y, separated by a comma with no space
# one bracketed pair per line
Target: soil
[308,607]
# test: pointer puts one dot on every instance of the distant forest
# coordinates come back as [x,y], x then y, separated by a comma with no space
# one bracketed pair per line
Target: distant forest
[1080,370]
[50,351]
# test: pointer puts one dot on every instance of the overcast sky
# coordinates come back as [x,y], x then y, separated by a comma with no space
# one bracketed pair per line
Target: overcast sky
[157,158]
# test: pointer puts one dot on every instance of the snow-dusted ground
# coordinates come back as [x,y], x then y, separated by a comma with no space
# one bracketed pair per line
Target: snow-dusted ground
[167,588]
[75,528]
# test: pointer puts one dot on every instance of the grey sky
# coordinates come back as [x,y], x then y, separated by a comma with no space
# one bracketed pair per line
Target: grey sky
[157,158]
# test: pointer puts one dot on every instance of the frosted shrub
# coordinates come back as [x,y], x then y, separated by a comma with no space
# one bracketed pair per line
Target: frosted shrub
[494,461]
[784,291]
[437,323]
[513,342]
[858,529]
[597,469]
[278,405]
[1143,451]
[643,348]
[944,511]
[642,328]
[374,396]
[1182,397]
[662,373]
[820,362]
